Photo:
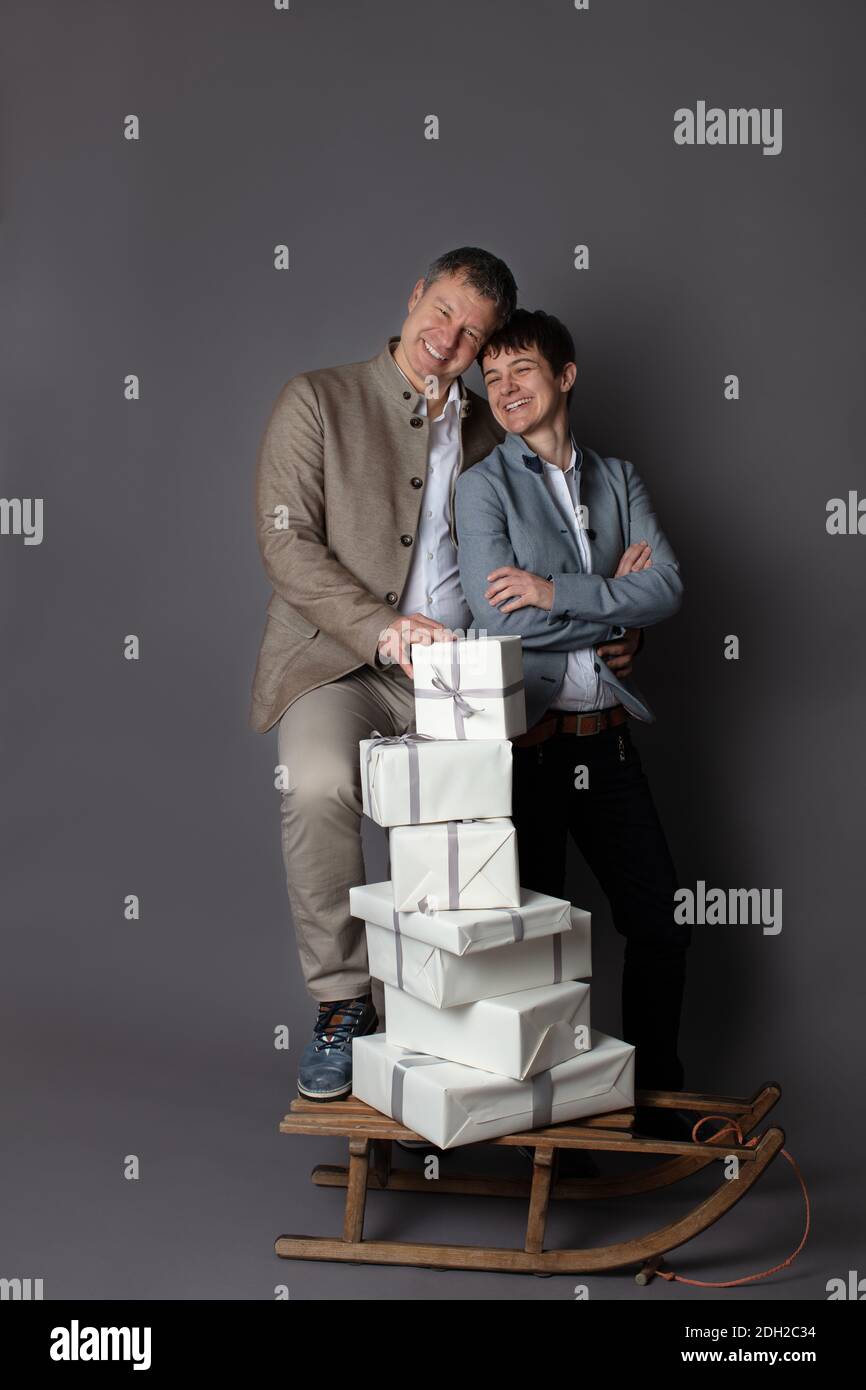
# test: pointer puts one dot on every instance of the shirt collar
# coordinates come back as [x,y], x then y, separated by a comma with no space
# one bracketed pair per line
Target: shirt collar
[402,373]
[395,381]
[453,397]
[554,468]
[517,451]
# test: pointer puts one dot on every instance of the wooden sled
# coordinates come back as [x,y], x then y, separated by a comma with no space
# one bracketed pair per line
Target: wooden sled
[371,1135]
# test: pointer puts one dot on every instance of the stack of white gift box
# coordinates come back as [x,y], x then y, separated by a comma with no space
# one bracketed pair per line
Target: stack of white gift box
[487,1028]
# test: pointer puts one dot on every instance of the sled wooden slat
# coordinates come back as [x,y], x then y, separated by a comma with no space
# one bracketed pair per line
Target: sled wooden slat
[371,1169]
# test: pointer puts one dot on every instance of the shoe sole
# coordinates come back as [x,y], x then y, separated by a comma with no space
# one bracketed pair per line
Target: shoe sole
[325,1095]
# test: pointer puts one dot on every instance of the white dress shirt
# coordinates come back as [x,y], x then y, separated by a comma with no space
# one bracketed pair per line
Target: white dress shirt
[582,687]
[433,584]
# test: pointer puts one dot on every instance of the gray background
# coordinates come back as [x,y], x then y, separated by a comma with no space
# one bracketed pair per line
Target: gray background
[155,1038]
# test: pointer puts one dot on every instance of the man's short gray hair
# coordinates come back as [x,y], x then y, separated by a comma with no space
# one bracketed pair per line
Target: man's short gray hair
[485,272]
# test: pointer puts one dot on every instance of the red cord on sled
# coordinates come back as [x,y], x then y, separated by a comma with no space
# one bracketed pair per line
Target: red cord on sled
[747,1278]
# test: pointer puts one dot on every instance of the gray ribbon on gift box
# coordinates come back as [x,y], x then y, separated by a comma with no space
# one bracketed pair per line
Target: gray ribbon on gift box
[398,949]
[542,1089]
[398,1077]
[409,742]
[556,941]
[453,872]
[557,958]
[542,1100]
[516,919]
[516,923]
[445,690]
[517,927]
[453,865]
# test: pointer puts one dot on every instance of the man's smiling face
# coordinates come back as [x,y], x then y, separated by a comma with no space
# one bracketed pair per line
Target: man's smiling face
[447,324]
[524,393]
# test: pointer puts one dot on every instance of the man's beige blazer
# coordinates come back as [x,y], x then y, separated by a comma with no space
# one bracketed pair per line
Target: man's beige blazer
[340,473]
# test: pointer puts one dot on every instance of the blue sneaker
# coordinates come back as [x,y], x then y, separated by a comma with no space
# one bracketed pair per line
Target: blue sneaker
[325,1072]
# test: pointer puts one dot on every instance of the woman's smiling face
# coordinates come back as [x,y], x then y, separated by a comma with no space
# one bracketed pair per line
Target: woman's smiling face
[524,393]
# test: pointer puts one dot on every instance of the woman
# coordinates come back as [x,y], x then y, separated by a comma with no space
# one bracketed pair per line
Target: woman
[561,547]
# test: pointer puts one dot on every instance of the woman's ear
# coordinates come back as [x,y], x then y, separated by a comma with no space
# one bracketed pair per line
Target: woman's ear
[569,376]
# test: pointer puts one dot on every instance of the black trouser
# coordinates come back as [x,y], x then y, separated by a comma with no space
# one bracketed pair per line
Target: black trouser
[614,823]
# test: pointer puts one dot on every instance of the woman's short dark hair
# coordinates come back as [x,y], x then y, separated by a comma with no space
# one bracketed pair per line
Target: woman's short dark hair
[484,272]
[533,328]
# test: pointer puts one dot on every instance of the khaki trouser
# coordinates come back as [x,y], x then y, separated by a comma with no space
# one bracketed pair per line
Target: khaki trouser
[318,739]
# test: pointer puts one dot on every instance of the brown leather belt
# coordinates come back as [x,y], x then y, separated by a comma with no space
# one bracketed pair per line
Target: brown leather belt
[580,724]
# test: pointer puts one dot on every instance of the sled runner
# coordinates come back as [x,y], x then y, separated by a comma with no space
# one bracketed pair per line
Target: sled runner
[371,1135]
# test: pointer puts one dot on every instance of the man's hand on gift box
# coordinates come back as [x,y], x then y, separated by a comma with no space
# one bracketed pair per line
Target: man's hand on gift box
[395,643]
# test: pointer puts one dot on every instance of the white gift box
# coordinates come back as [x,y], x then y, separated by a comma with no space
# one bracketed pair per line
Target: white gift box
[470,689]
[451,1105]
[443,979]
[463,931]
[455,864]
[413,780]
[515,1035]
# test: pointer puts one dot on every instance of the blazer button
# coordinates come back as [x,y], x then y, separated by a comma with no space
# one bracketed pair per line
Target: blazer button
[417,482]
[596,665]
[407,395]
[416,422]
[405,540]
[391,597]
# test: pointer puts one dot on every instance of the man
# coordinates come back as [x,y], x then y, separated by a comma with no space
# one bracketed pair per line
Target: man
[562,547]
[355,485]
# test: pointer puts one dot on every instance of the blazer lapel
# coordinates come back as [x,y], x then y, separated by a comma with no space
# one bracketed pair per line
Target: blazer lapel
[604,530]
[604,526]
[529,471]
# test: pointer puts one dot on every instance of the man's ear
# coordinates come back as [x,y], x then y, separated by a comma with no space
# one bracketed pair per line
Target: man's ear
[416,294]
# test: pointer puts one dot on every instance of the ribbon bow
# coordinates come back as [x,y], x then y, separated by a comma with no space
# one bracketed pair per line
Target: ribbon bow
[410,742]
[461,704]
[461,707]
[377,740]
